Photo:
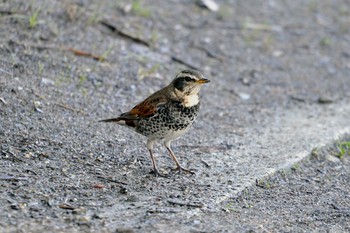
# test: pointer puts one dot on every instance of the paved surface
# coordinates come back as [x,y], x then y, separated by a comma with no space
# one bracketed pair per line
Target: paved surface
[279,88]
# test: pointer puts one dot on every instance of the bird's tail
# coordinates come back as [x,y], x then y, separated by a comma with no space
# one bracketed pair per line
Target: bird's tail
[111,120]
[121,121]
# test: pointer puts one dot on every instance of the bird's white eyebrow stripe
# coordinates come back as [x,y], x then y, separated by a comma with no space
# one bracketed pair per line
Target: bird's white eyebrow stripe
[190,73]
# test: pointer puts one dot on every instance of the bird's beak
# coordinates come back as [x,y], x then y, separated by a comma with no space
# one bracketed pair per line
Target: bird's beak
[202,81]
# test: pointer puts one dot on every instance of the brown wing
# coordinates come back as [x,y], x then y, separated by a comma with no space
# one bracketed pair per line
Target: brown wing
[146,108]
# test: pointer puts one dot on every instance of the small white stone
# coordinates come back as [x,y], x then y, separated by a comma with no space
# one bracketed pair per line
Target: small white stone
[278,53]
[210,4]
[46,81]
[244,96]
[332,158]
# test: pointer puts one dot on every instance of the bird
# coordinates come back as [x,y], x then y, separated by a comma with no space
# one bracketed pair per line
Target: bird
[166,114]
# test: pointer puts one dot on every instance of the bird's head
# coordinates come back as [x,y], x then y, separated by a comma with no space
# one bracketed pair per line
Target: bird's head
[188,82]
[187,85]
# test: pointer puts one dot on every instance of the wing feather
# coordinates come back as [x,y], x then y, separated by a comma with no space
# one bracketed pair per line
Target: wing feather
[146,108]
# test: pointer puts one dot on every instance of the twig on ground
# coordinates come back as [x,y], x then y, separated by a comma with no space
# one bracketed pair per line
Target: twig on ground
[112,180]
[205,163]
[67,206]
[3,101]
[162,211]
[66,107]
[120,33]
[209,53]
[179,60]
[195,205]
[76,52]
[38,95]
[85,54]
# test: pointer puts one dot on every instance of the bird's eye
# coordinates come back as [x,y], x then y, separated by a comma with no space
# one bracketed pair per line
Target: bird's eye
[188,79]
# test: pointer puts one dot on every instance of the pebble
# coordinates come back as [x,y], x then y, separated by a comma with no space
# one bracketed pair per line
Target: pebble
[48,82]
[332,158]
[80,210]
[210,4]
[124,230]
[244,96]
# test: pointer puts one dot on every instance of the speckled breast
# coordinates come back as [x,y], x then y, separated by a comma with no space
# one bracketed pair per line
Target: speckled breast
[172,116]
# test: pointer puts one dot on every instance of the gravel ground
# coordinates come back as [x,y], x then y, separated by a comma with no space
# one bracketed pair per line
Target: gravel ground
[66,64]
[312,196]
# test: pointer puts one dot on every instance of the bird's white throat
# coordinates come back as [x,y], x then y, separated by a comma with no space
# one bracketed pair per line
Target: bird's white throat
[191,100]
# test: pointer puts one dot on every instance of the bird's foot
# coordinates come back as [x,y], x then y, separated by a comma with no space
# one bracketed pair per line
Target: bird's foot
[158,174]
[180,169]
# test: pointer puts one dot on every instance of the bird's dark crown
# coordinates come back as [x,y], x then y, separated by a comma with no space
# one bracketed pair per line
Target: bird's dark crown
[190,75]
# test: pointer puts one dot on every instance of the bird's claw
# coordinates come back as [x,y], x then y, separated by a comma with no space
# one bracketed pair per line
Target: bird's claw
[180,169]
[159,174]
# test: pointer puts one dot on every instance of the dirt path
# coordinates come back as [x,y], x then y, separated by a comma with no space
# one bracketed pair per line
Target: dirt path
[279,87]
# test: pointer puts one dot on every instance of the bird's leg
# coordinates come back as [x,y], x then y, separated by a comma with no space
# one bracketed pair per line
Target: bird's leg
[178,165]
[155,168]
